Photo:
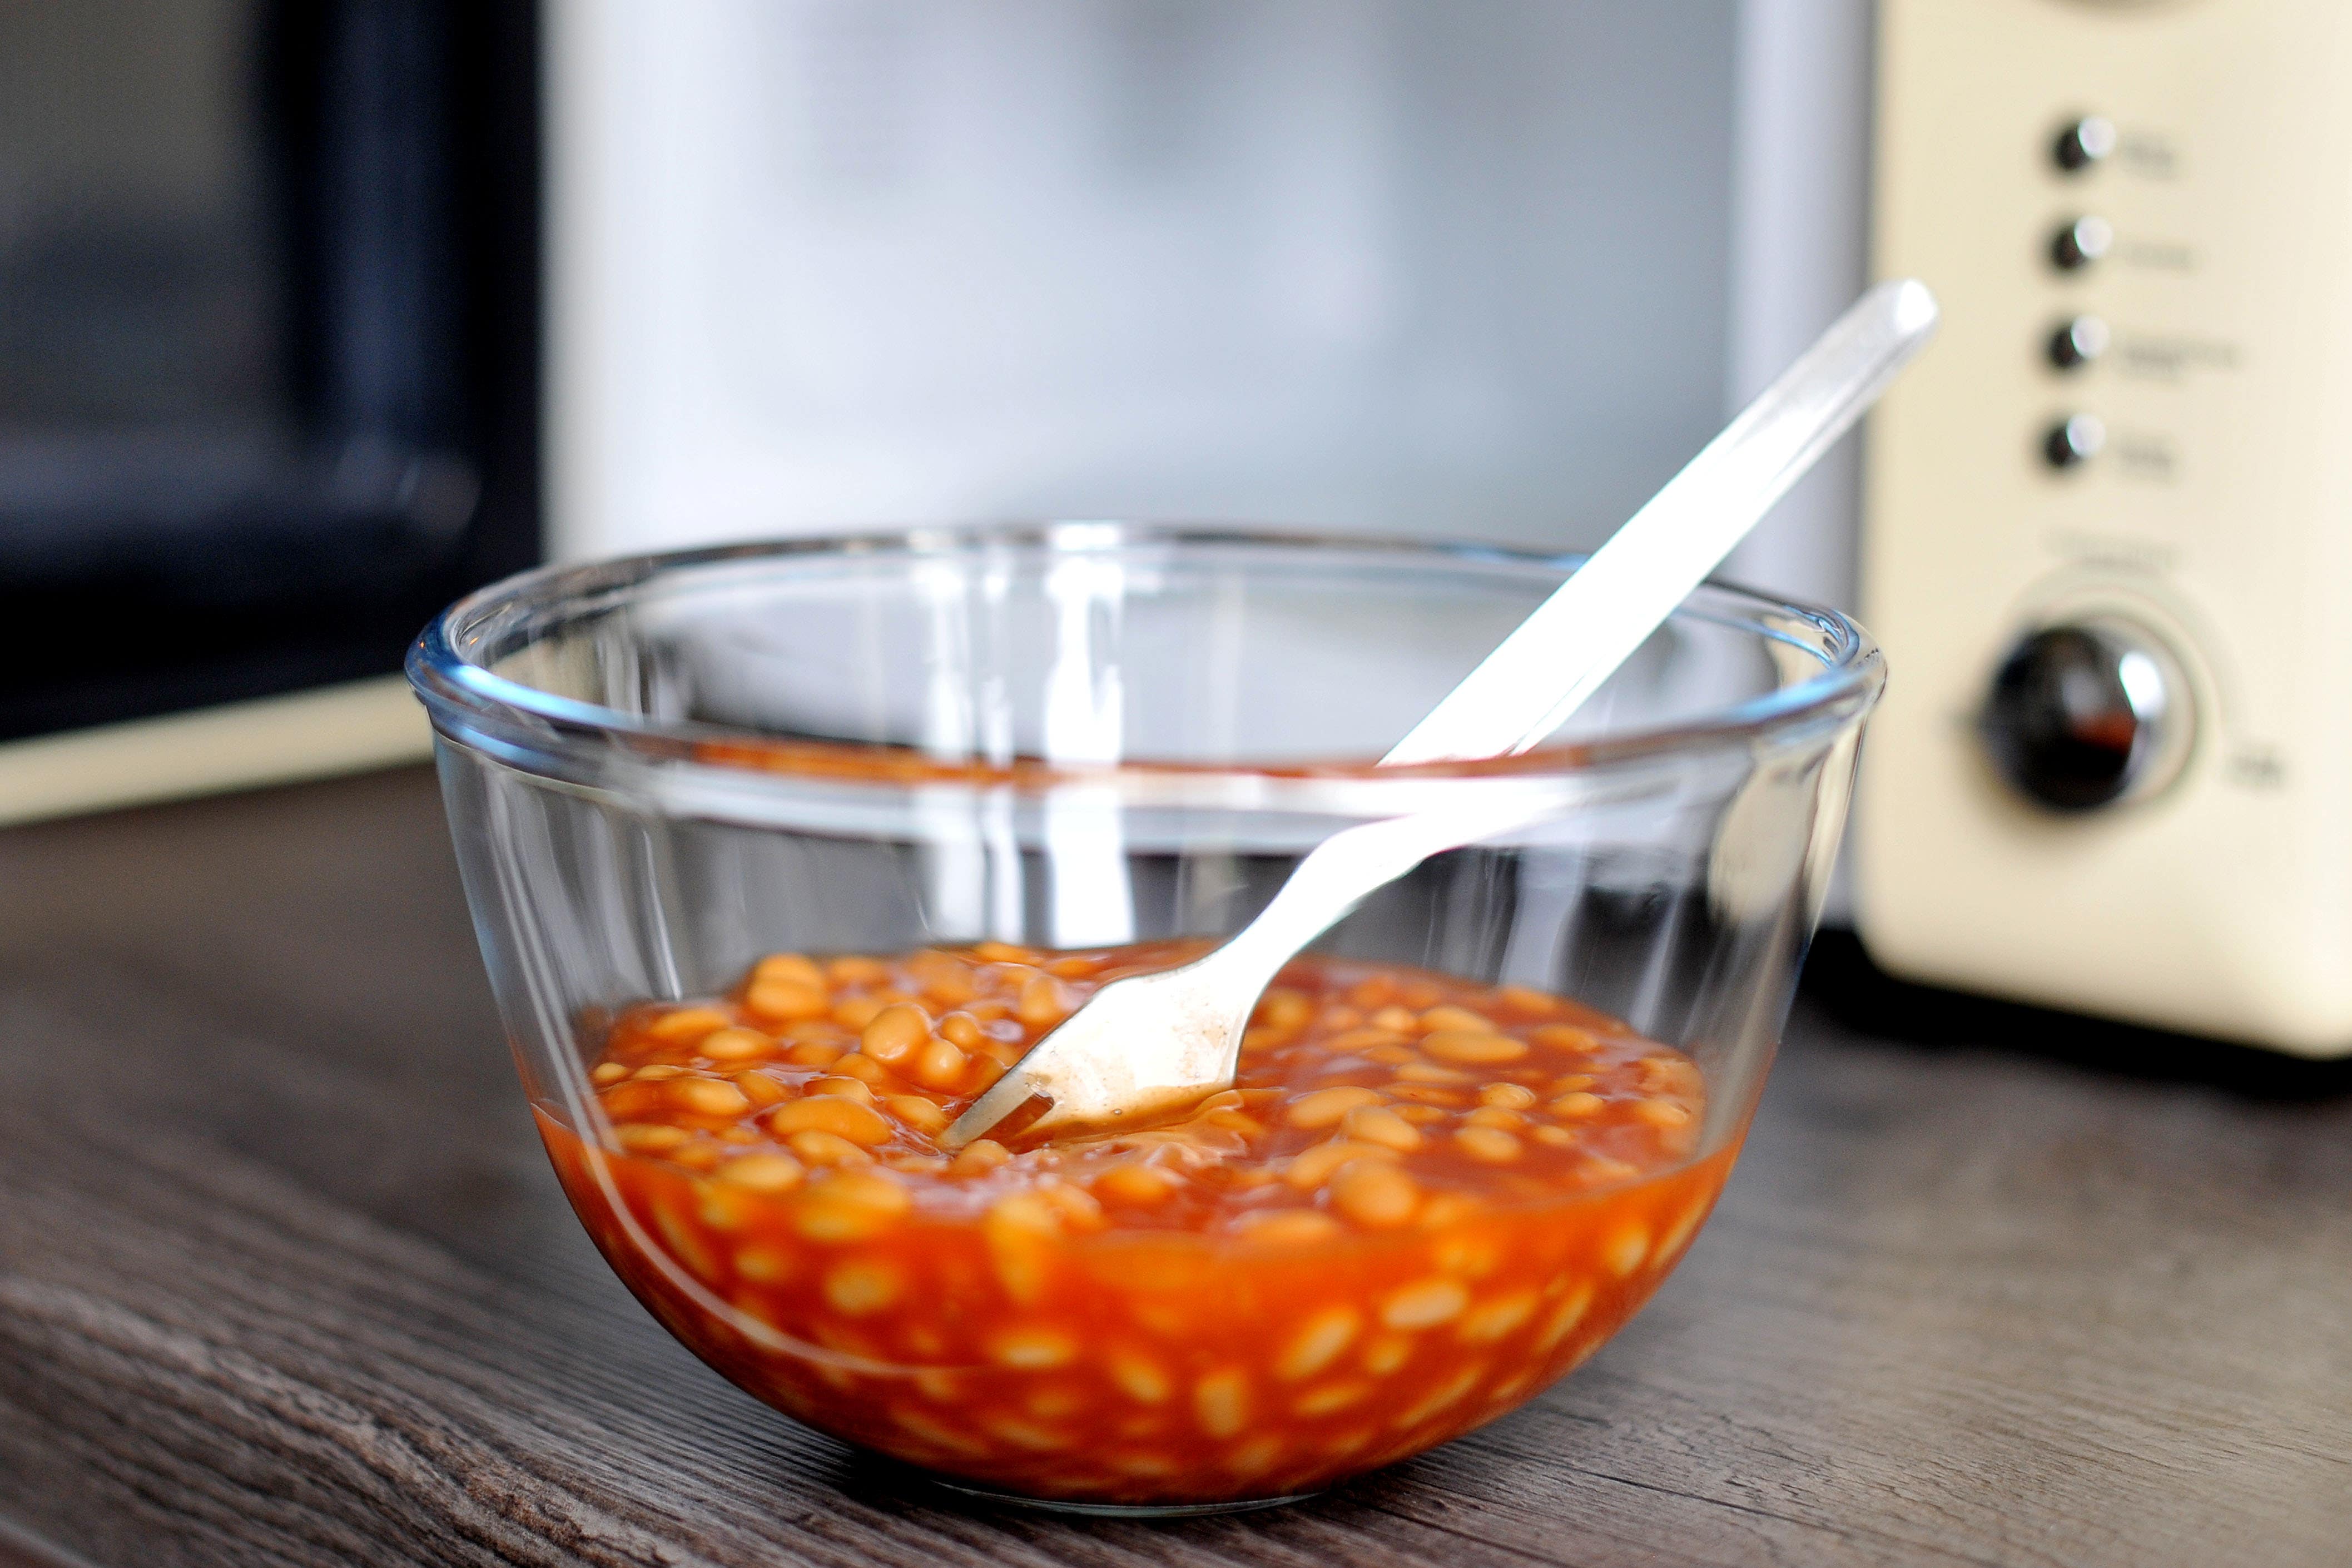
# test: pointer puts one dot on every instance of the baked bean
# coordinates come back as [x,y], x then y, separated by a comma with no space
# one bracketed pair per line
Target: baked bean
[940,1065]
[922,1115]
[1425,1305]
[763,1265]
[658,1138]
[684,1024]
[834,1113]
[788,969]
[1490,1145]
[1374,1194]
[1136,1182]
[734,1044]
[763,1172]
[1494,1319]
[1473,1045]
[854,970]
[1429,1094]
[980,1154]
[1221,1400]
[1318,1342]
[1286,1227]
[1313,1167]
[864,1204]
[1378,1124]
[1317,1403]
[815,1146]
[896,1033]
[786,1001]
[862,1286]
[1032,1349]
[1041,1006]
[1325,1107]
[1625,1249]
[1288,1011]
[1140,1377]
[1525,1003]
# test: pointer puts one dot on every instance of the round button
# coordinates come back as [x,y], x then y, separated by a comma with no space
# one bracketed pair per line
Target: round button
[2078,342]
[2074,441]
[2084,143]
[2088,715]
[2078,244]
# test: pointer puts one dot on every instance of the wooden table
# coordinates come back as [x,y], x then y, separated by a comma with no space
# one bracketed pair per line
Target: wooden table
[284,1279]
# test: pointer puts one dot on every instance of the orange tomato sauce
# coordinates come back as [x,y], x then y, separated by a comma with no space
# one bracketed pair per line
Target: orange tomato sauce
[1423,1202]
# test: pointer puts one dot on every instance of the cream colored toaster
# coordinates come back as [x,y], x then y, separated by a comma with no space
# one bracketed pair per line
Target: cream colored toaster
[2107,520]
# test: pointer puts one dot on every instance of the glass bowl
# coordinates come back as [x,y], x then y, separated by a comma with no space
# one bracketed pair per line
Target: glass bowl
[776,852]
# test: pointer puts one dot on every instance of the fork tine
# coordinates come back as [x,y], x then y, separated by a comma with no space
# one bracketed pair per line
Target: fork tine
[1016,1088]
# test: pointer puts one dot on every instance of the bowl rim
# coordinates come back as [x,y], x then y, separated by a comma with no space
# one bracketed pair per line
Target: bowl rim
[535,725]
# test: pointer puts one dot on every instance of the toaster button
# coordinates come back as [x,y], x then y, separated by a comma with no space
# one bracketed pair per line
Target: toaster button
[2078,342]
[2084,143]
[2074,441]
[2078,244]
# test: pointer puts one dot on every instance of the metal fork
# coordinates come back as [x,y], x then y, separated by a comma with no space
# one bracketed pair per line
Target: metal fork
[1153,1042]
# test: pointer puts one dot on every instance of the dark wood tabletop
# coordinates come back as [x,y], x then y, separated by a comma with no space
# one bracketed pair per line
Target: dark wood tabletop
[284,1279]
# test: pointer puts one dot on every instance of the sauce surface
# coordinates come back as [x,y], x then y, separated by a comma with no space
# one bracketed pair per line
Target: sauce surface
[1423,1202]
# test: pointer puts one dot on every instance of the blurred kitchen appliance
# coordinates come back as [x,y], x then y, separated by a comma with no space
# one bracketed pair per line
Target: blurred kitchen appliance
[2106,540]
[268,376]
[1473,271]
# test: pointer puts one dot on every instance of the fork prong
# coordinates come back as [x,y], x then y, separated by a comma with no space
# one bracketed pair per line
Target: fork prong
[1008,1094]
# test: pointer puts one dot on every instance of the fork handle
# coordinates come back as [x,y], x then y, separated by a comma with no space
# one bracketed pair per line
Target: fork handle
[1353,864]
[1575,641]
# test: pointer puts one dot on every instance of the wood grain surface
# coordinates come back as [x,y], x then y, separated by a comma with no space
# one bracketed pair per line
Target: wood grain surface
[284,1278]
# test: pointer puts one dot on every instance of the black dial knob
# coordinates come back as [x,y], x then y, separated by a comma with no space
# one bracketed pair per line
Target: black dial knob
[2088,715]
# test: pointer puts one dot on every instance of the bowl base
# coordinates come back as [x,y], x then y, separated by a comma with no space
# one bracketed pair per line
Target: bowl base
[1109,1510]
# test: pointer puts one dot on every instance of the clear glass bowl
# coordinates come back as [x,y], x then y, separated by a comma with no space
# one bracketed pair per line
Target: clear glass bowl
[1078,736]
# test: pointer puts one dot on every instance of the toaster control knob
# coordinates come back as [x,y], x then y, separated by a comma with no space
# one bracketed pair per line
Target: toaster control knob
[2078,244]
[2084,143]
[2090,714]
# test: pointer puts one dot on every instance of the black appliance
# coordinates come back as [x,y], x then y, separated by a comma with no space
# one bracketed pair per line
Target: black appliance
[269,322]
